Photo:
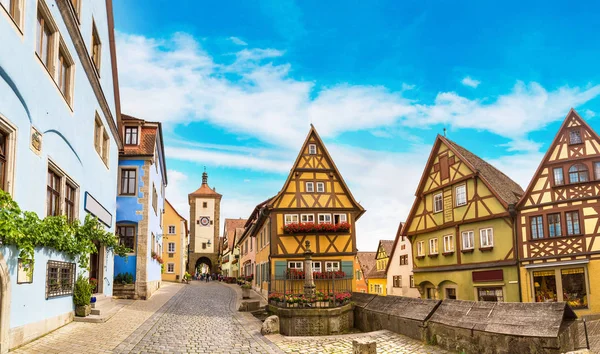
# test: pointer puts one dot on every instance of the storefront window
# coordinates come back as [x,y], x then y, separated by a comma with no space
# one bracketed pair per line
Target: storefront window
[544,284]
[490,294]
[574,289]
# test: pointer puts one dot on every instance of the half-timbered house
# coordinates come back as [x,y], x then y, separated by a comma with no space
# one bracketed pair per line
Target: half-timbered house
[559,221]
[314,205]
[377,276]
[461,228]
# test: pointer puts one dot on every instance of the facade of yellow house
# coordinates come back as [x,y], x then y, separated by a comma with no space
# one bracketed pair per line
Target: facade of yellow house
[258,228]
[378,277]
[314,205]
[175,244]
[461,228]
[559,222]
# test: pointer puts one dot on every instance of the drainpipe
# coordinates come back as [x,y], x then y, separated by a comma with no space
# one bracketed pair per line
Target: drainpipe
[512,210]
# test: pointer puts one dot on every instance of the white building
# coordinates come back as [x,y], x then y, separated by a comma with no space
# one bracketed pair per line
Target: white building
[59,144]
[400,265]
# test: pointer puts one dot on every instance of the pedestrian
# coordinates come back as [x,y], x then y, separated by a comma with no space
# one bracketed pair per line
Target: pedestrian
[206,276]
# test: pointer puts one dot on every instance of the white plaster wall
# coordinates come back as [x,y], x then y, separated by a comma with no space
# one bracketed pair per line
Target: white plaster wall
[405,271]
[204,233]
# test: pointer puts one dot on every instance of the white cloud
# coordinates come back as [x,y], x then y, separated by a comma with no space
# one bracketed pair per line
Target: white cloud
[177,191]
[468,81]
[589,113]
[237,41]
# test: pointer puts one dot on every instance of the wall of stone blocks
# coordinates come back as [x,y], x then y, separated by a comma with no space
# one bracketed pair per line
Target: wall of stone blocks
[314,322]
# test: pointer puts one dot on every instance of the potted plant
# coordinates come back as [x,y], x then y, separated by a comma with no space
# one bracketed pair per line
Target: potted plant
[246,290]
[82,296]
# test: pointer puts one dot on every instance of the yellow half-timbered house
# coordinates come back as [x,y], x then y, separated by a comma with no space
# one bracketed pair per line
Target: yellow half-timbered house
[559,221]
[461,228]
[314,205]
[377,277]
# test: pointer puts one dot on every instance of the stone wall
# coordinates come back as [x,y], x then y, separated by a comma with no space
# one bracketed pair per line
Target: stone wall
[314,322]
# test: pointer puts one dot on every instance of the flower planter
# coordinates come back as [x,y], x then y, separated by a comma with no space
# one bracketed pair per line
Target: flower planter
[83,311]
[245,293]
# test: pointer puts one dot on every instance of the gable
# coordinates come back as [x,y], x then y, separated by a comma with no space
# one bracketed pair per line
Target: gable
[564,153]
[446,168]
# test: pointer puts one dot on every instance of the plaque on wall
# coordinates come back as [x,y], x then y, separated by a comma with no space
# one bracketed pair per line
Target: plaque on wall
[36,141]
[448,211]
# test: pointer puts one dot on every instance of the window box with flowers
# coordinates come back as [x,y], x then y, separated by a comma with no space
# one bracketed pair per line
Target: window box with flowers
[310,227]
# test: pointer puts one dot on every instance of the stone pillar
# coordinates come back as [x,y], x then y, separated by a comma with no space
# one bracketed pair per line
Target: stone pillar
[309,283]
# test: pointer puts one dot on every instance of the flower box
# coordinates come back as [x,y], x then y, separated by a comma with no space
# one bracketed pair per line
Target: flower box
[310,227]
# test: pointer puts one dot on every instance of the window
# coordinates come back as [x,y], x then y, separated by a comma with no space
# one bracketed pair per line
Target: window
[537,227]
[105,147]
[448,243]
[320,187]
[490,294]
[332,266]
[397,281]
[339,218]
[575,136]
[421,248]
[60,277]
[312,149]
[291,218]
[70,192]
[324,218]
[578,173]
[430,293]
[451,293]
[171,247]
[544,284]
[486,236]
[559,179]
[412,281]
[128,179]
[433,246]
[251,242]
[572,219]
[307,218]
[96,48]
[170,267]
[316,266]
[596,170]
[44,37]
[101,140]
[438,203]
[53,194]
[296,265]
[377,289]
[468,240]
[3,159]
[203,245]
[131,135]
[126,235]
[65,72]
[204,204]
[14,9]
[554,225]
[574,287]
[154,199]
[171,229]
[310,187]
[461,195]
[404,259]
[98,135]
[358,276]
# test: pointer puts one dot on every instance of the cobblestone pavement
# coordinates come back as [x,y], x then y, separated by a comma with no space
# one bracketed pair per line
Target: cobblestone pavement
[387,343]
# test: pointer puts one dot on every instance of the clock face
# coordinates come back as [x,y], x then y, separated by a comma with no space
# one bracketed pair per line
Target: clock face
[204,220]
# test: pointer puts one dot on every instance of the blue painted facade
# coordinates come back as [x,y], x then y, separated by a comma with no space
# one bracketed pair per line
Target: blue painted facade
[30,98]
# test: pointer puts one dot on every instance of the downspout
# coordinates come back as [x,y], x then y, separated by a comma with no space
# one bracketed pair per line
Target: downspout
[512,210]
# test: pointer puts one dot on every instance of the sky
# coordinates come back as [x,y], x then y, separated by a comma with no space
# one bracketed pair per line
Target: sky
[238,83]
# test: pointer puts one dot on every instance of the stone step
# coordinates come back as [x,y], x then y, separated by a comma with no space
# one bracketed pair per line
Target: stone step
[105,310]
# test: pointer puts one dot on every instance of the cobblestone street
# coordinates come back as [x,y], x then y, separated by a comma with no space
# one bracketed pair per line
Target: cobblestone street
[198,318]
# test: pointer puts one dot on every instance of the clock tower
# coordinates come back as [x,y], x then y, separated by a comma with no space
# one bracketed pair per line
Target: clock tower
[205,214]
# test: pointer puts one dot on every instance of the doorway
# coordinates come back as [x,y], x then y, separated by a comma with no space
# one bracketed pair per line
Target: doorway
[96,268]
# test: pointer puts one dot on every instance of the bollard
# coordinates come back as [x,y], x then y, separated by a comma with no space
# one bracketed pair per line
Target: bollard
[364,346]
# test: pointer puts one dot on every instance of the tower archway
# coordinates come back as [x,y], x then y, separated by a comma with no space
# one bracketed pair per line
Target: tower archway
[204,265]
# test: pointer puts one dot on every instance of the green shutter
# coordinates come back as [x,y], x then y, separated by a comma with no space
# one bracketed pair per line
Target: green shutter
[280,268]
[348,268]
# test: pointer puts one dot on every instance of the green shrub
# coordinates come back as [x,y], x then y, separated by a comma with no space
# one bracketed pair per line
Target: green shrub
[82,293]
[247,286]
[124,278]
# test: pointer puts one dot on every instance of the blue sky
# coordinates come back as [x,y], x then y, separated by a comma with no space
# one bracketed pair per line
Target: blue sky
[237,84]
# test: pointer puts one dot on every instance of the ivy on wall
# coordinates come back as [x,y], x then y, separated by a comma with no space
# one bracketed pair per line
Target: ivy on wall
[26,231]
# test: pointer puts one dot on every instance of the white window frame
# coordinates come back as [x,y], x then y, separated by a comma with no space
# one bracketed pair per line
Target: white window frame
[329,266]
[470,235]
[324,221]
[459,202]
[341,216]
[311,189]
[307,218]
[312,149]
[448,243]
[292,218]
[11,137]
[169,229]
[320,187]
[19,6]
[171,247]
[486,237]
[433,246]
[296,263]
[169,265]
[315,268]
[441,195]
[421,248]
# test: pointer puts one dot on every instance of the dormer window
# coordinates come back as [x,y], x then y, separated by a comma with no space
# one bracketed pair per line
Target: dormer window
[578,173]
[575,136]
[310,187]
[312,149]
[320,187]
[131,135]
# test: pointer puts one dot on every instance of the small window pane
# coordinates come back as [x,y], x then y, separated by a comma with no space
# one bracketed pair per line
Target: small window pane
[537,227]
[437,203]
[575,137]
[559,179]
[578,173]
[572,223]
[554,225]
[461,195]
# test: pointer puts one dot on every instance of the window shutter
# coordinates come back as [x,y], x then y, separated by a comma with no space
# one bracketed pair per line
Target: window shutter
[280,268]
[348,268]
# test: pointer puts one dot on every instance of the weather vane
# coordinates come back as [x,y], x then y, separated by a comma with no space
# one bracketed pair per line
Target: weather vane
[444,132]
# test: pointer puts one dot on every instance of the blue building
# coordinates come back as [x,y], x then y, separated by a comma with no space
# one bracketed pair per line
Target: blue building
[59,147]
[140,203]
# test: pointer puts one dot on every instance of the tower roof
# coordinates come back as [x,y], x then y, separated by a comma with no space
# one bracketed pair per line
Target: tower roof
[205,190]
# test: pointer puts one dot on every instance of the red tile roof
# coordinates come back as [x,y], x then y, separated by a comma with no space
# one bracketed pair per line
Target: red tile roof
[230,229]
